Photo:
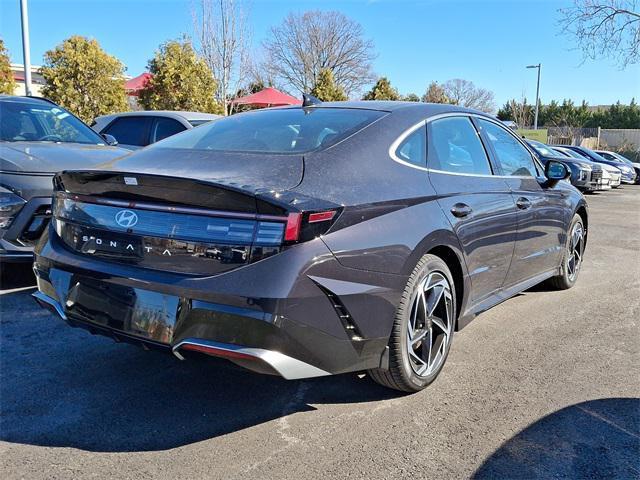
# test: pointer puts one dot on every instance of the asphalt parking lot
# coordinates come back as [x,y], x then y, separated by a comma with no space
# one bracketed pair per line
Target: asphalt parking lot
[545,385]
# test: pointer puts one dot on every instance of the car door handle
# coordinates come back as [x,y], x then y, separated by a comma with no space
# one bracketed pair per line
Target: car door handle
[523,203]
[460,210]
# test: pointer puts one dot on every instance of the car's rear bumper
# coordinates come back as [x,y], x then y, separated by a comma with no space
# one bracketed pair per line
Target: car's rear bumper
[283,315]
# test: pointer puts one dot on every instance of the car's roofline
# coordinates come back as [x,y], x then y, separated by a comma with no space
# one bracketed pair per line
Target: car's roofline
[391,106]
[162,113]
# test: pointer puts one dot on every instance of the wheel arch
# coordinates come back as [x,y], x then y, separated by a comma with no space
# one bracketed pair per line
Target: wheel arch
[454,263]
[445,245]
[584,215]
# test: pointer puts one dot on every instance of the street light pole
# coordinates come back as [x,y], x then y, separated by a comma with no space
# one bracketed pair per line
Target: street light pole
[535,121]
[24,14]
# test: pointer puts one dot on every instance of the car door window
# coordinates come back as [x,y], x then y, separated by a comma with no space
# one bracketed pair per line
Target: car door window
[514,158]
[454,146]
[413,148]
[130,130]
[165,127]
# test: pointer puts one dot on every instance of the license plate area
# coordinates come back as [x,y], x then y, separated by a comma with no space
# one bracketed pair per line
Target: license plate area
[134,311]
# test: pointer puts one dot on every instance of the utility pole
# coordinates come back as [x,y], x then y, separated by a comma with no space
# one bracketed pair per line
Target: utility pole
[24,14]
[535,121]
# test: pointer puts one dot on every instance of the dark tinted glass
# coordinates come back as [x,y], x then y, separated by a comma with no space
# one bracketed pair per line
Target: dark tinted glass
[514,158]
[197,123]
[26,121]
[130,130]
[290,130]
[455,147]
[165,127]
[413,148]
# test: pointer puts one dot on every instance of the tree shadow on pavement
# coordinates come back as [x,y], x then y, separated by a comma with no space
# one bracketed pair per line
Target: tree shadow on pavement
[594,439]
[63,387]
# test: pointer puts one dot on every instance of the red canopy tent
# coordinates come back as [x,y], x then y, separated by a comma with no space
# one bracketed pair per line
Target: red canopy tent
[133,86]
[269,97]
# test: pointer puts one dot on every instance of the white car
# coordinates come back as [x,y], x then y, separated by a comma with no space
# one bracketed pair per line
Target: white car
[135,130]
[610,175]
[614,173]
[606,180]
[616,157]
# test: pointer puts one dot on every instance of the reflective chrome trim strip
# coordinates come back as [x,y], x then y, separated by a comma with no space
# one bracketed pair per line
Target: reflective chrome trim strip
[169,208]
[46,299]
[394,146]
[288,367]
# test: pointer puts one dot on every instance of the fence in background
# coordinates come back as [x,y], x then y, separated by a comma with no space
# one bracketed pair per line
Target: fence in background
[620,139]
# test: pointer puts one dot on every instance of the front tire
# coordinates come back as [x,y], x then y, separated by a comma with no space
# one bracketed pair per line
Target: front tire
[572,257]
[423,328]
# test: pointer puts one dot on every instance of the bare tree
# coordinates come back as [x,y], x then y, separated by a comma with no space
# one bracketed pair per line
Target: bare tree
[224,38]
[605,28]
[305,44]
[466,94]
[521,112]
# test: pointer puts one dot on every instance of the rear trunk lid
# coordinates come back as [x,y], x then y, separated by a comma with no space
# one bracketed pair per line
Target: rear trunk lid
[250,172]
[187,213]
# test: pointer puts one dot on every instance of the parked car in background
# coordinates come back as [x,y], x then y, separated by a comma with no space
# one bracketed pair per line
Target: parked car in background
[584,174]
[135,130]
[628,173]
[612,176]
[312,240]
[37,139]
[604,177]
[616,156]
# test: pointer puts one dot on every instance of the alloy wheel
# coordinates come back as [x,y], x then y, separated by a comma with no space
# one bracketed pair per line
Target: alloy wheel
[575,250]
[430,326]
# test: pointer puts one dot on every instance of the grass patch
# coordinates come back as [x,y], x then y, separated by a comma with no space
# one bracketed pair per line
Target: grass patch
[540,135]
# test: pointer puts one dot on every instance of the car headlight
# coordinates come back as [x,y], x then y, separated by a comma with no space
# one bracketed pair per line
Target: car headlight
[10,205]
[585,167]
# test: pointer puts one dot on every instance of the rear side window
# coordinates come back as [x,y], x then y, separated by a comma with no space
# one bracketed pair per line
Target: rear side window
[454,146]
[514,159]
[130,130]
[413,148]
[287,130]
[165,127]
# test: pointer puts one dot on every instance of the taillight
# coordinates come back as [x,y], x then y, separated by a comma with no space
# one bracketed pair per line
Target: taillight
[322,216]
[308,225]
[292,230]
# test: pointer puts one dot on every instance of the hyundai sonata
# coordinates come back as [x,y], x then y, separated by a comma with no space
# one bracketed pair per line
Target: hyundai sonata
[312,240]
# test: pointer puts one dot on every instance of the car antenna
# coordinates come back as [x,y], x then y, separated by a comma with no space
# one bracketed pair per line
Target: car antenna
[309,100]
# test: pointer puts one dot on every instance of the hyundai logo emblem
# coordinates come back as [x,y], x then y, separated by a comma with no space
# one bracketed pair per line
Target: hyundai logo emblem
[126,218]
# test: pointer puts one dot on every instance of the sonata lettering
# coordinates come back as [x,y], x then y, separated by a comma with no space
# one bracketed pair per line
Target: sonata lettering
[127,246]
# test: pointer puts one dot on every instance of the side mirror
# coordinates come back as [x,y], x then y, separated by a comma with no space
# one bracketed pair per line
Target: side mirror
[110,139]
[556,171]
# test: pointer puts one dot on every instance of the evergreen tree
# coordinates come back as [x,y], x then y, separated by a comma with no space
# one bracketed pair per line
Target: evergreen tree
[7,83]
[181,80]
[382,90]
[326,89]
[435,94]
[84,79]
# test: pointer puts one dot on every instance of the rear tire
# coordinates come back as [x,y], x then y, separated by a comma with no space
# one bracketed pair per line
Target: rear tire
[423,328]
[572,257]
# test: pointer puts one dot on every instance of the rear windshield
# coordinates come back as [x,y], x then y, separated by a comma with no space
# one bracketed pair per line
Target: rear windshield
[290,130]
